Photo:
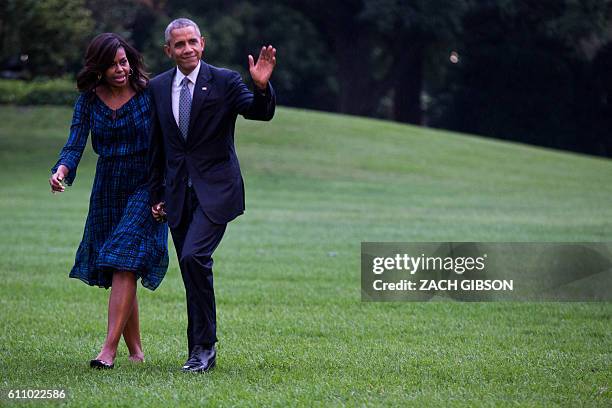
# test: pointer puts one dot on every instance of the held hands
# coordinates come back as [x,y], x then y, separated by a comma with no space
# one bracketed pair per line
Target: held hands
[262,71]
[159,212]
[56,180]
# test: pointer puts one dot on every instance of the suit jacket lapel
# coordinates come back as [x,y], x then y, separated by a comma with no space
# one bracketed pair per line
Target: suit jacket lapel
[166,102]
[200,93]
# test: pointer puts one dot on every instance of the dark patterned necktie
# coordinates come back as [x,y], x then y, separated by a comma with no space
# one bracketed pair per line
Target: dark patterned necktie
[184,107]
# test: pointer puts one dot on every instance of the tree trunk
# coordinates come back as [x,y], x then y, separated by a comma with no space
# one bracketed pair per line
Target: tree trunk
[408,86]
[356,85]
[350,40]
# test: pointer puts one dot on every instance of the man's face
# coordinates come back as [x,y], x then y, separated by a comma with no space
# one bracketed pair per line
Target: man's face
[185,48]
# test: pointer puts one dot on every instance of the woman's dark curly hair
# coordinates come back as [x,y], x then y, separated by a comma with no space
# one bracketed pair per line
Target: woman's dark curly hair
[100,56]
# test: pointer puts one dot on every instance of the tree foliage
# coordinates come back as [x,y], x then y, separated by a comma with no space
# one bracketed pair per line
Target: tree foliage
[526,74]
[46,37]
[536,71]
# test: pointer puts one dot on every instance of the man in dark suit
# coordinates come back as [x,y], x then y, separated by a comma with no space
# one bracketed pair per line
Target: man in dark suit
[194,177]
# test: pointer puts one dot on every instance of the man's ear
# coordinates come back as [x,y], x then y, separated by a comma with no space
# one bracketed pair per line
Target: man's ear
[203,43]
[167,51]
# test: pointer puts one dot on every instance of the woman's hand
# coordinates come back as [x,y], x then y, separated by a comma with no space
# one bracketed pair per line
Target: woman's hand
[56,179]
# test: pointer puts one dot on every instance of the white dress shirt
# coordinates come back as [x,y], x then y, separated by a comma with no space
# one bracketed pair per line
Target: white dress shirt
[176,88]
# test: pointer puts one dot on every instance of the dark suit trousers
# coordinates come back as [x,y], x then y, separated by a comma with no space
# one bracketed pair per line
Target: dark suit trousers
[195,240]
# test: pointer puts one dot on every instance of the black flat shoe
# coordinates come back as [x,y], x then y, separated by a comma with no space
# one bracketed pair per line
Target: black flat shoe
[101,364]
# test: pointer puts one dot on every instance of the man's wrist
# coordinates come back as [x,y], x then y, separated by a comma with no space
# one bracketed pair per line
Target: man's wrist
[262,88]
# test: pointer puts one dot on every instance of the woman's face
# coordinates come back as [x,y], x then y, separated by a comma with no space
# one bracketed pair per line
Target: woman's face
[117,74]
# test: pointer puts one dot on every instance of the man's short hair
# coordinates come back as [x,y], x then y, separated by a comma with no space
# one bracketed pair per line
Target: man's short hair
[179,23]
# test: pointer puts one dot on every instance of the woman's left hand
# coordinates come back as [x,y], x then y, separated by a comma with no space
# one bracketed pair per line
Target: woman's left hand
[57,178]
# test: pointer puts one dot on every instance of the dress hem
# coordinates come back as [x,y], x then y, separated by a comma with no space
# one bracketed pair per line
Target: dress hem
[143,281]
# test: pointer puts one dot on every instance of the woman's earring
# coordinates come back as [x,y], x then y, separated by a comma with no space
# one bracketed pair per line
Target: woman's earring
[99,77]
[131,72]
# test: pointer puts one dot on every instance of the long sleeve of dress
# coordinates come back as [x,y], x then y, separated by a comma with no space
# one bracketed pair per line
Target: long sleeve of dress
[71,153]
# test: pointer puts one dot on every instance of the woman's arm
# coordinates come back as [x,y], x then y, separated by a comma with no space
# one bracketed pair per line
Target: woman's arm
[70,156]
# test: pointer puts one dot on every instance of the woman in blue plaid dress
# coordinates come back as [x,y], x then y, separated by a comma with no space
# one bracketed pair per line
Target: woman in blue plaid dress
[122,242]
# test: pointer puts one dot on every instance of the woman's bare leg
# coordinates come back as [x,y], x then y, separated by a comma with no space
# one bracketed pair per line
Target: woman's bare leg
[131,334]
[120,304]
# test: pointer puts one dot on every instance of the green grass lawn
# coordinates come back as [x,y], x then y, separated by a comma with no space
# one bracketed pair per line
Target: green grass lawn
[292,328]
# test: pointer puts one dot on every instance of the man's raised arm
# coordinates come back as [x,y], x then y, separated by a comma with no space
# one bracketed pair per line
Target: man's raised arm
[260,104]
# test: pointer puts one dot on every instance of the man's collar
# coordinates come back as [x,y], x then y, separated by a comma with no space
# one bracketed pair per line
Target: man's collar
[193,75]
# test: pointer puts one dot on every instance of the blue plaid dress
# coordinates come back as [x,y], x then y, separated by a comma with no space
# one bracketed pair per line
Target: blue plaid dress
[120,232]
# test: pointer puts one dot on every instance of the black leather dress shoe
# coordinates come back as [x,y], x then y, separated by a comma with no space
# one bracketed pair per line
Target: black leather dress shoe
[201,359]
[101,364]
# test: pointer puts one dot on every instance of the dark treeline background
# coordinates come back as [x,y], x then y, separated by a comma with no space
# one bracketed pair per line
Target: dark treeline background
[534,71]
